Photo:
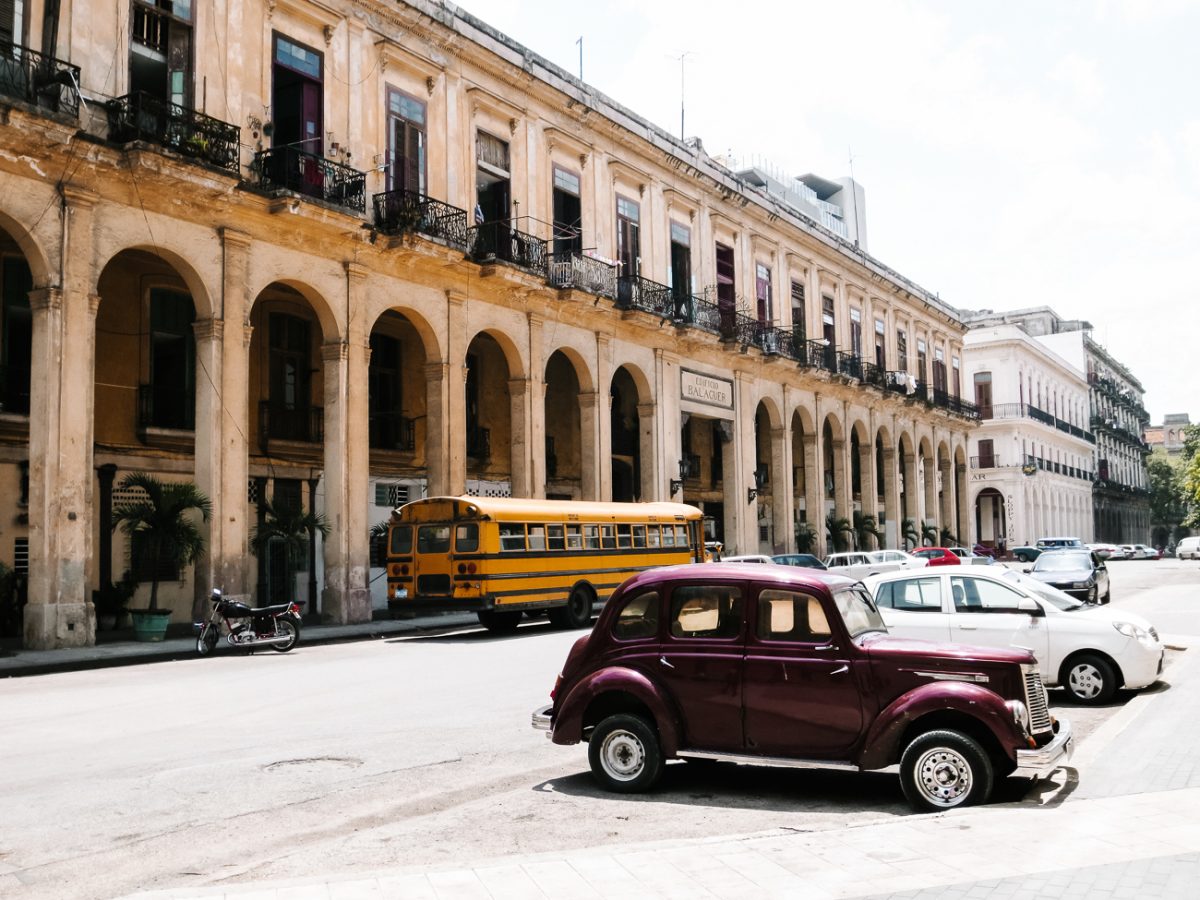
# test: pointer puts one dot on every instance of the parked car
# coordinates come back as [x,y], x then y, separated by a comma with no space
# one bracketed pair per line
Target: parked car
[983,550]
[1058,543]
[1080,573]
[1087,649]
[938,556]
[896,559]
[1103,551]
[856,564]
[1141,551]
[748,558]
[1026,554]
[969,557]
[1188,548]
[804,560]
[775,665]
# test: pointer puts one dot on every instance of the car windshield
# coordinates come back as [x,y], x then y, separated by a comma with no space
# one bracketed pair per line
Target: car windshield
[858,611]
[1043,591]
[1059,561]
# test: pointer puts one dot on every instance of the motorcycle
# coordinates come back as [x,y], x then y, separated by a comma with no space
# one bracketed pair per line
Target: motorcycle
[277,627]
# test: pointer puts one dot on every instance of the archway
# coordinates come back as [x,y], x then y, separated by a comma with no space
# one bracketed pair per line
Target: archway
[489,418]
[566,444]
[629,454]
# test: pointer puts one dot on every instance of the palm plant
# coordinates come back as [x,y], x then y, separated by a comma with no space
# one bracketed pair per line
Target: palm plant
[948,538]
[864,527]
[909,533]
[161,522]
[840,531]
[929,532]
[806,538]
[293,527]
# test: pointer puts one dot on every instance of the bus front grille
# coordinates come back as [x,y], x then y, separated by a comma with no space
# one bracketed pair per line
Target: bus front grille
[433,584]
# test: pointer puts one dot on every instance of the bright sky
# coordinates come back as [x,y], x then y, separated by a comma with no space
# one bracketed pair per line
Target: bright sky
[1014,154]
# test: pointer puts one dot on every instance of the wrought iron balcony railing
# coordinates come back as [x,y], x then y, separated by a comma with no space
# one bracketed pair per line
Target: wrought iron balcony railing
[574,270]
[392,431]
[921,392]
[14,390]
[705,315]
[874,375]
[501,242]
[277,422]
[636,292]
[166,406]
[897,381]
[404,212]
[776,341]
[142,117]
[739,327]
[986,462]
[820,354]
[38,79]
[306,173]
[850,365]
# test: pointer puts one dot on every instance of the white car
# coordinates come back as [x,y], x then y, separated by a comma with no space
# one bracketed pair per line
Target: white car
[854,564]
[749,558]
[1188,548]
[895,560]
[1088,650]
[1104,551]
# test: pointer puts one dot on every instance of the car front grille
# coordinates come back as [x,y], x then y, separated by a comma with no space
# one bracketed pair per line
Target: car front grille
[1035,700]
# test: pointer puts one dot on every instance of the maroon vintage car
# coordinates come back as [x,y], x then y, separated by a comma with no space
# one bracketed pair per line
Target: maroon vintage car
[773,665]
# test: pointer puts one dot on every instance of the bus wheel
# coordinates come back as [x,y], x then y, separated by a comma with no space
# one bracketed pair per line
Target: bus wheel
[499,622]
[578,611]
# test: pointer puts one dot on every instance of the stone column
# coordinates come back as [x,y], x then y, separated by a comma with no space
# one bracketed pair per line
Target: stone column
[930,508]
[744,463]
[519,394]
[842,506]
[229,566]
[949,518]
[651,489]
[870,498]
[913,494]
[437,439]
[590,415]
[59,612]
[209,335]
[357,428]
[963,505]
[814,491]
[536,421]
[604,415]
[781,491]
[891,498]
[106,473]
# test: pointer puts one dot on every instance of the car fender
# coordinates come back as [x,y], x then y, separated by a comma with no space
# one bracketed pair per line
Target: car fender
[568,717]
[881,746]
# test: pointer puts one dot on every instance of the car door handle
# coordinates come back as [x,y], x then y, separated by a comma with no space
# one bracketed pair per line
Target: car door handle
[968,627]
[840,670]
[663,661]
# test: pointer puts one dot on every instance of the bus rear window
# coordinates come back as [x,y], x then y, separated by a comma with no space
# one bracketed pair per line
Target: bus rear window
[512,536]
[401,540]
[466,538]
[554,538]
[537,537]
[433,539]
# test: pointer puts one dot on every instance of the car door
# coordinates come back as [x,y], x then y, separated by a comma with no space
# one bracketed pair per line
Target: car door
[915,607]
[700,663]
[985,612]
[800,689]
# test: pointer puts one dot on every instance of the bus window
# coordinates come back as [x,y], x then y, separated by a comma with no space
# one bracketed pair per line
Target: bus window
[681,536]
[639,535]
[512,536]
[591,535]
[653,536]
[537,537]
[554,538]
[433,539]
[574,538]
[466,538]
[668,535]
[401,540]
[608,537]
[624,536]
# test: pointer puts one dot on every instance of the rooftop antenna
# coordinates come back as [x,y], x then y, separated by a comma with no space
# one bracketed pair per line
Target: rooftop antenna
[580,43]
[682,57]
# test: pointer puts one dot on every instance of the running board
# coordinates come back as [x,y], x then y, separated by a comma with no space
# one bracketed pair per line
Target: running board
[777,762]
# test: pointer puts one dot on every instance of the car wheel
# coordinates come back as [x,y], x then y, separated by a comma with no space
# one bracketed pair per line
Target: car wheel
[499,622]
[943,770]
[578,611]
[1089,679]
[286,626]
[624,754]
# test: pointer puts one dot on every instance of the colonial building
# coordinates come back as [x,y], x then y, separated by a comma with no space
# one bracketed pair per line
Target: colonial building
[1032,456]
[1170,435]
[338,255]
[1121,490]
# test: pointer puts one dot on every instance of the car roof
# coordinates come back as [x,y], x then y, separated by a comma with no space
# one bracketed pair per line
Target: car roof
[939,571]
[727,572]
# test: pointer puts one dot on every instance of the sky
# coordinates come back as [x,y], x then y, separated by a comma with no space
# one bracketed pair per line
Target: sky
[1013,154]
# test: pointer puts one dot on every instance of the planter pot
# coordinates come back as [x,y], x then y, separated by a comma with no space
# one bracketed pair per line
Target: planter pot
[107,621]
[150,625]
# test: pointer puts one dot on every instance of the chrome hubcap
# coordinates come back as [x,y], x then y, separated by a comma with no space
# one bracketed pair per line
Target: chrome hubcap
[623,755]
[1086,681]
[944,776]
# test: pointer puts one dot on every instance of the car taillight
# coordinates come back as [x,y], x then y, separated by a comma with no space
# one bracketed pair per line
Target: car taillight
[557,685]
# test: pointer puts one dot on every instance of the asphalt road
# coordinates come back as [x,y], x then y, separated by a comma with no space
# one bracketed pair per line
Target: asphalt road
[352,758]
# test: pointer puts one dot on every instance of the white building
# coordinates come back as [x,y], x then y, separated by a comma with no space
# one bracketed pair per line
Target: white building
[1031,465]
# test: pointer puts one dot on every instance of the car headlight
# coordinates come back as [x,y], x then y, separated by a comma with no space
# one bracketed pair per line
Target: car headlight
[1130,630]
[1080,585]
[1019,712]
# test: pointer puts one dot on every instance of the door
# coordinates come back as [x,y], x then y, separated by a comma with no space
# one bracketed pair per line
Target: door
[700,664]
[432,563]
[800,690]
[914,608]
[986,613]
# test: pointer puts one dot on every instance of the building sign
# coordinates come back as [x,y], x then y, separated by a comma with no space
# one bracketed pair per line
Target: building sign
[705,389]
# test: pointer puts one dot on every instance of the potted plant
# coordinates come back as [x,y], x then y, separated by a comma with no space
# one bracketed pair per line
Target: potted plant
[294,528]
[112,602]
[170,537]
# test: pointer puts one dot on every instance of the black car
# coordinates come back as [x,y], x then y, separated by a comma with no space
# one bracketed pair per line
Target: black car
[1080,573]
[807,560]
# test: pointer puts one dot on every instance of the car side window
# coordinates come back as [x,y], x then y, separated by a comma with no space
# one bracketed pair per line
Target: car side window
[638,618]
[978,595]
[912,595]
[791,616]
[701,611]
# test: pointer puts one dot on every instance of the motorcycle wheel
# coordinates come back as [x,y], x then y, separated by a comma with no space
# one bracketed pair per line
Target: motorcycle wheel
[206,642]
[286,626]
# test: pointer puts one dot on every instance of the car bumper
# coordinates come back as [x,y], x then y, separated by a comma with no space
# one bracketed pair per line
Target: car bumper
[541,721]
[1142,664]
[1040,762]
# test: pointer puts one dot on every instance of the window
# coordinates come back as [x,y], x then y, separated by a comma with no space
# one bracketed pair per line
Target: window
[287,496]
[160,50]
[141,561]
[492,195]
[12,28]
[297,100]
[681,264]
[762,293]
[829,325]
[639,536]
[537,537]
[915,595]
[406,142]
[574,537]
[402,541]
[706,612]
[976,595]
[591,536]
[726,295]
[922,369]
[629,242]
[983,393]
[653,536]
[880,346]
[172,392]
[625,536]
[856,332]
[788,616]
[433,539]
[568,213]
[901,349]
[799,326]
[668,536]
[956,385]
[638,618]
[512,536]
[608,537]
[555,538]
[466,538]
[939,370]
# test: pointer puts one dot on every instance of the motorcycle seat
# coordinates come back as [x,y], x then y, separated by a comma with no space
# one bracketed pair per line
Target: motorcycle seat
[271,610]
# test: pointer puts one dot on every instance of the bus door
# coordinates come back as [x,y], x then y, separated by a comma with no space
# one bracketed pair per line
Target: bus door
[432,561]
[696,540]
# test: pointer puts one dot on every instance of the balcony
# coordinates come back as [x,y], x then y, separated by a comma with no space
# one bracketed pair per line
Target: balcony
[292,169]
[897,382]
[14,390]
[636,292]
[494,242]
[38,80]
[820,354]
[142,117]
[850,365]
[985,462]
[166,406]
[407,212]
[874,376]
[584,273]
[921,392]
[392,431]
[704,315]
[776,341]
[277,422]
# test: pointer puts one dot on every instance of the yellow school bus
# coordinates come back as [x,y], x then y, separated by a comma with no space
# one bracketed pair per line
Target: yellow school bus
[503,556]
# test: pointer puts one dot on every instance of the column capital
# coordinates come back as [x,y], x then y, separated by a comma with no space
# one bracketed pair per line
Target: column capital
[335,351]
[455,298]
[645,410]
[209,329]
[535,319]
[93,304]
[247,332]
[231,237]
[46,298]
[355,270]
[517,387]
[78,197]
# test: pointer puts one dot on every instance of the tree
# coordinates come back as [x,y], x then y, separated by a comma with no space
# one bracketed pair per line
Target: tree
[1191,474]
[929,532]
[1168,497]
[161,524]
[806,538]
[840,531]
[864,527]
[292,527]
[909,533]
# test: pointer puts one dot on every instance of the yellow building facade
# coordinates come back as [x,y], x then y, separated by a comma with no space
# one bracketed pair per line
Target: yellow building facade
[337,255]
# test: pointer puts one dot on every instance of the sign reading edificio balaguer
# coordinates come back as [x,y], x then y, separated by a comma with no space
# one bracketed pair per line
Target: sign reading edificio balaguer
[706,389]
